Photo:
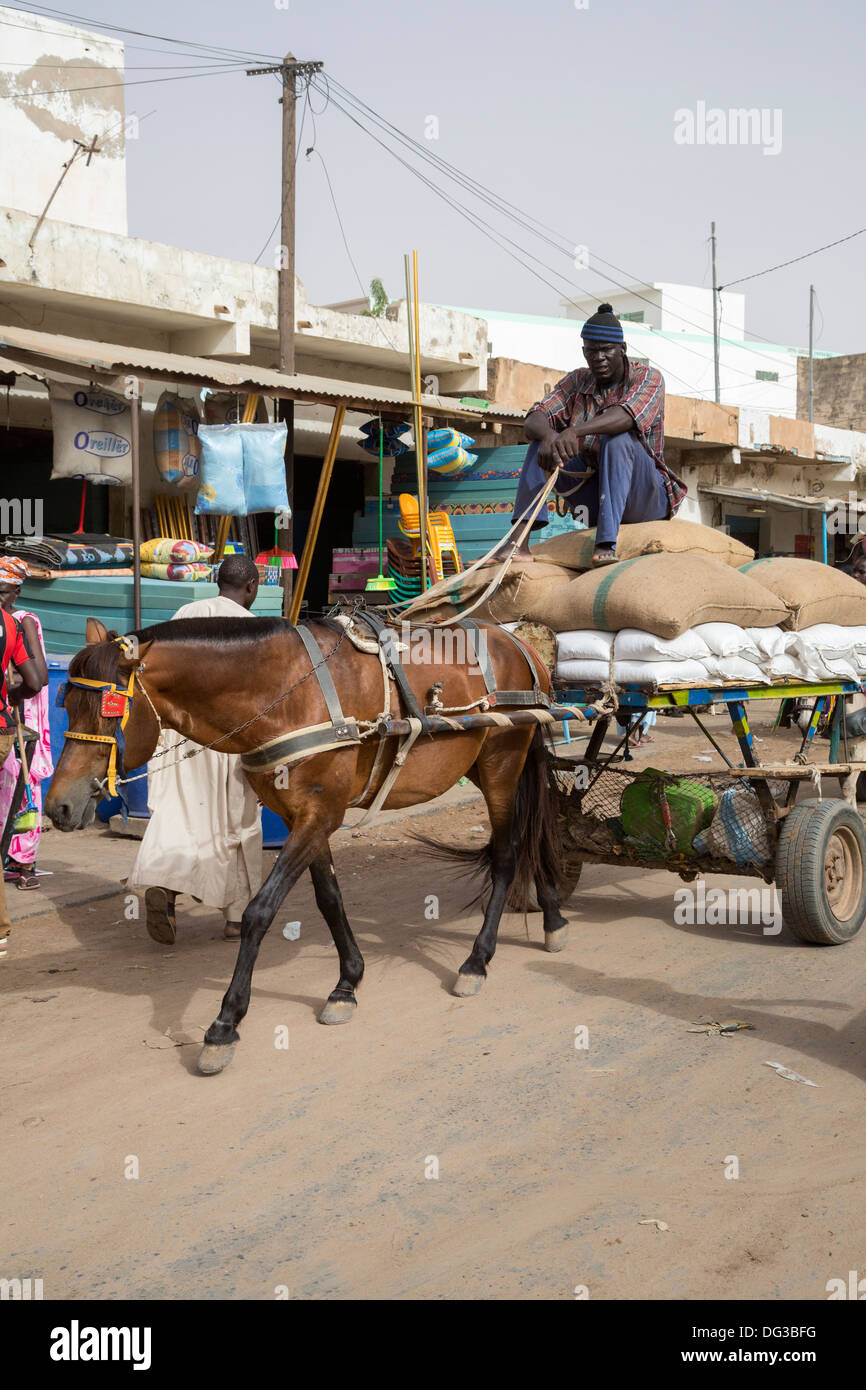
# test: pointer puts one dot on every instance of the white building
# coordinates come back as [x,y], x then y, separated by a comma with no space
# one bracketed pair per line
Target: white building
[671,327]
[46,107]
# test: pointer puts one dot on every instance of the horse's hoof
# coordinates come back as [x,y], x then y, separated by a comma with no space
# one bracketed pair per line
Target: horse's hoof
[338,1011]
[555,940]
[212,1059]
[467,985]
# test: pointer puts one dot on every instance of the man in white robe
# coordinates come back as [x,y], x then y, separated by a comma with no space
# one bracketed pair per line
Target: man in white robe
[204,836]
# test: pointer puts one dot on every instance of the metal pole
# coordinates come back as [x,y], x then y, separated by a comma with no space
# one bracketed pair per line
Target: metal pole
[715,315]
[811,334]
[135,413]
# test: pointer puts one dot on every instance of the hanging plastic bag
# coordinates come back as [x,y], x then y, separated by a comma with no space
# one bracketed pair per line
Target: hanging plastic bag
[264,450]
[222,471]
[92,434]
[176,446]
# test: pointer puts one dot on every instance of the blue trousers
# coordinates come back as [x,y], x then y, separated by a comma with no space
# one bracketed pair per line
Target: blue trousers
[627,487]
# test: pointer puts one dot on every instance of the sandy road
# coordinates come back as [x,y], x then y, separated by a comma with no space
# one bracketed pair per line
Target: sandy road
[305,1169]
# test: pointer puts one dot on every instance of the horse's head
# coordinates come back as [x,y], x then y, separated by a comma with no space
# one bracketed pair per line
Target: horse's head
[116,724]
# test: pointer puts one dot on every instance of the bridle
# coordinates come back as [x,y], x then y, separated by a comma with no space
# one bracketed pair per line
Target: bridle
[115,704]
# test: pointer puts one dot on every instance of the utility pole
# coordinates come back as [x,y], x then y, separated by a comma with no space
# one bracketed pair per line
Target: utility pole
[80,149]
[715,315]
[288,70]
[811,334]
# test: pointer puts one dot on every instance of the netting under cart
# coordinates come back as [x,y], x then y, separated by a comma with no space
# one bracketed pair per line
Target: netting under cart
[647,814]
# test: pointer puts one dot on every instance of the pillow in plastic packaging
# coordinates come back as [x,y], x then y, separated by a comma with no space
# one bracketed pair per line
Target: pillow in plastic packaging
[221,492]
[264,449]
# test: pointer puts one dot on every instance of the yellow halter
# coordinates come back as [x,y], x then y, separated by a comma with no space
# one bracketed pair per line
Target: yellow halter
[115,704]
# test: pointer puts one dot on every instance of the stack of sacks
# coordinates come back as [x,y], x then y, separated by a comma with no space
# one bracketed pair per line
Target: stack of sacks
[712,654]
[665,594]
[574,548]
[709,654]
[811,593]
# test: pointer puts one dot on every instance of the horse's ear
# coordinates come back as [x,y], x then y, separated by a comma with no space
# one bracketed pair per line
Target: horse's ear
[95,631]
[132,652]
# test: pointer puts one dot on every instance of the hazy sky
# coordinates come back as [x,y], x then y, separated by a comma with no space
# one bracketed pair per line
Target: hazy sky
[567,112]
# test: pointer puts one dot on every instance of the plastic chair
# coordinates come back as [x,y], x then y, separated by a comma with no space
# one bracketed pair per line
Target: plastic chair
[440,536]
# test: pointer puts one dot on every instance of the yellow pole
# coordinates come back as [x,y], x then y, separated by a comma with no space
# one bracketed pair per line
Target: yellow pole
[318,512]
[412,323]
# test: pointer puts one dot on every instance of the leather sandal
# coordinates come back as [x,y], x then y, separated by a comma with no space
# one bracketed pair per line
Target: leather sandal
[161,921]
[604,557]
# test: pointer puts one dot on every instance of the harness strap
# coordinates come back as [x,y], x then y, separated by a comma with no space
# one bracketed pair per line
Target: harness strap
[413,709]
[290,748]
[532,699]
[326,684]
[415,730]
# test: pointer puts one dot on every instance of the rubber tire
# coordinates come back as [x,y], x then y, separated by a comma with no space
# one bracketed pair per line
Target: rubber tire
[800,877]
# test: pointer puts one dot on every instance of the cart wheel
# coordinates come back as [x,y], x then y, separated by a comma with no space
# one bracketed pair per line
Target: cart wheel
[819,871]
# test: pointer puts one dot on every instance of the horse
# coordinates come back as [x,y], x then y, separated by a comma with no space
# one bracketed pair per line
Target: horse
[242,685]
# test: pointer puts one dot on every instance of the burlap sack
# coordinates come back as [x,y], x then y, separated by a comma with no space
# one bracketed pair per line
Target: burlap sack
[812,593]
[574,548]
[662,594]
[524,587]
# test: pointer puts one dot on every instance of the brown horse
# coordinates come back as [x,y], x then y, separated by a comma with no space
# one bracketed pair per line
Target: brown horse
[240,684]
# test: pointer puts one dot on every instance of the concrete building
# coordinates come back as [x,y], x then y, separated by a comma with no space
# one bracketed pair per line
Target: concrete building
[671,327]
[749,463]
[60,85]
[838,390]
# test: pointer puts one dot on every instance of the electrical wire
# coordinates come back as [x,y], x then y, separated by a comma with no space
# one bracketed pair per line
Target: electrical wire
[794,261]
[364,291]
[139,82]
[504,207]
[495,236]
[189,44]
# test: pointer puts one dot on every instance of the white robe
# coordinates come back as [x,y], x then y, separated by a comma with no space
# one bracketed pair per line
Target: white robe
[204,836]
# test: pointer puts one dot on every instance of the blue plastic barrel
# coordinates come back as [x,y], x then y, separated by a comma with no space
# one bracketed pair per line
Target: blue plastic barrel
[58,723]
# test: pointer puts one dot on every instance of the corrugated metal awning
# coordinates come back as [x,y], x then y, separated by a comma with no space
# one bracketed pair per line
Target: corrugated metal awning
[777,499]
[55,353]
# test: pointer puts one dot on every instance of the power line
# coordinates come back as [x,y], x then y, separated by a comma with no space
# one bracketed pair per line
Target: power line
[139,82]
[364,292]
[139,33]
[487,230]
[818,249]
[127,67]
[505,208]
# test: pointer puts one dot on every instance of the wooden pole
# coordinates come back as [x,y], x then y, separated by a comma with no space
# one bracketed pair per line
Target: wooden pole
[318,512]
[135,414]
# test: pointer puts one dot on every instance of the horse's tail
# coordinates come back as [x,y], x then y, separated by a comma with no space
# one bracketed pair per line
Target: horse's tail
[536,830]
[539,852]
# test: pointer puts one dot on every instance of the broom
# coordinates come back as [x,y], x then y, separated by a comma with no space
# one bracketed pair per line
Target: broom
[28,816]
[380,581]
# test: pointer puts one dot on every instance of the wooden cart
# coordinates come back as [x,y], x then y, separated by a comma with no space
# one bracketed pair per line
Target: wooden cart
[818,844]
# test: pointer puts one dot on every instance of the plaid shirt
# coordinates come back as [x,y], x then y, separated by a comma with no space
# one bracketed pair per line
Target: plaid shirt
[578,398]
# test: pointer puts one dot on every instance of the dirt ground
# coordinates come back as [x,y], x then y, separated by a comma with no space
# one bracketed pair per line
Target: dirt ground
[436,1148]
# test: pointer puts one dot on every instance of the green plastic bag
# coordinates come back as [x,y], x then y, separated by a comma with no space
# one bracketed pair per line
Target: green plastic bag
[691,806]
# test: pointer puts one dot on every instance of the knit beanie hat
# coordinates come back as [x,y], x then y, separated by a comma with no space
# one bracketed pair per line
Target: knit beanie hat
[603,327]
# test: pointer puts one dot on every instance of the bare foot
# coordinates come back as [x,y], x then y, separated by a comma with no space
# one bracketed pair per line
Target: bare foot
[522,555]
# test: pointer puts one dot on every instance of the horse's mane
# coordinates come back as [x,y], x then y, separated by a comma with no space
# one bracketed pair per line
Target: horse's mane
[99,660]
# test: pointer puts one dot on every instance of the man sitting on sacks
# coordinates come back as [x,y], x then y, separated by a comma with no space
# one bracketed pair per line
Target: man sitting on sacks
[607,417]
